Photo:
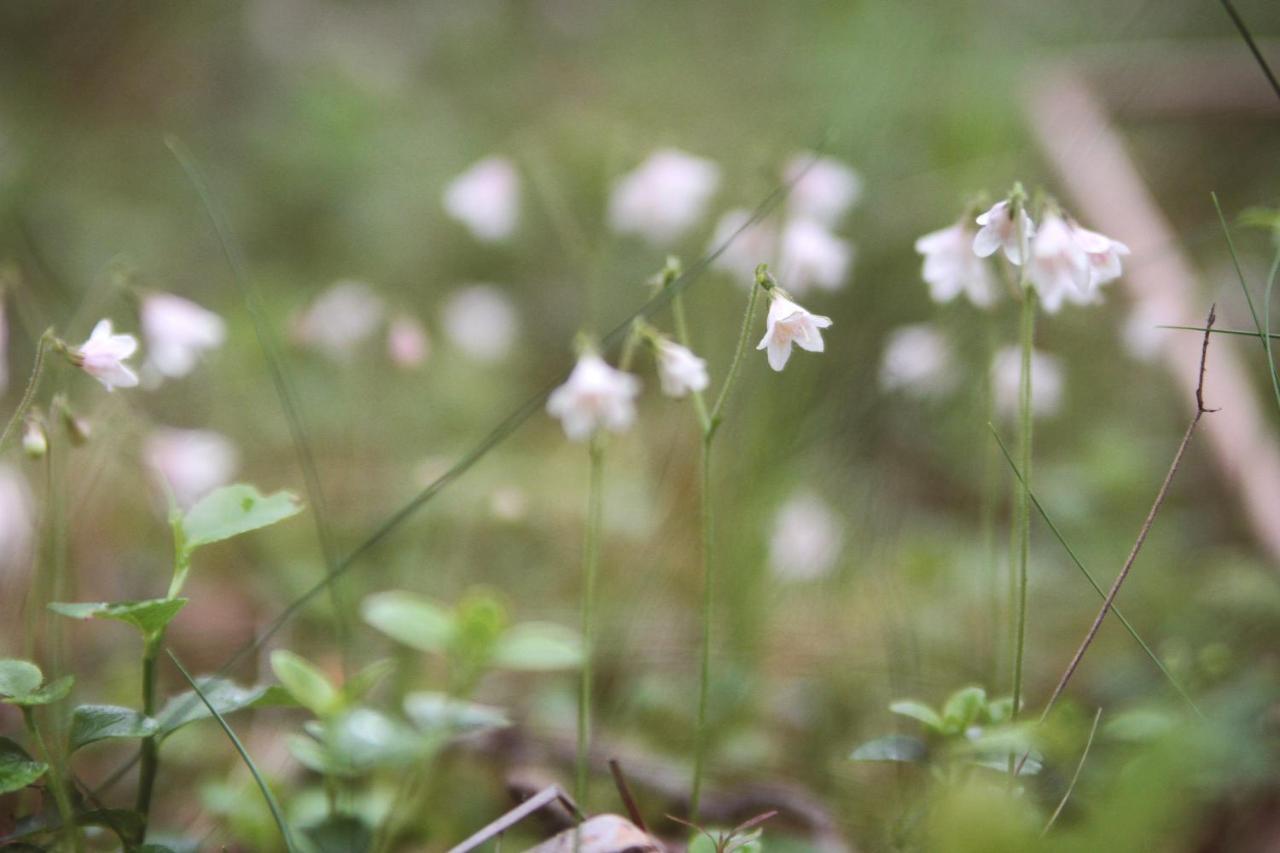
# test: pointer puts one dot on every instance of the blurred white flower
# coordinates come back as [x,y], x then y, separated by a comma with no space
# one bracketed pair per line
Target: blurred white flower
[813,257]
[17,520]
[509,503]
[1059,267]
[807,539]
[103,355]
[481,320]
[755,245]
[189,463]
[822,189]
[664,196]
[951,267]
[1046,383]
[339,319]
[918,360]
[35,443]
[679,370]
[1104,254]
[786,324]
[177,331]
[1141,335]
[595,396]
[407,343]
[486,199]
[999,231]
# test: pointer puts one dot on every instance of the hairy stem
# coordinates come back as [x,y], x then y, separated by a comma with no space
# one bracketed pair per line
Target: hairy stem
[1024,490]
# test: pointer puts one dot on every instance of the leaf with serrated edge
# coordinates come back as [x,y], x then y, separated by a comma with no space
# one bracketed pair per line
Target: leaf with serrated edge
[222,693]
[17,769]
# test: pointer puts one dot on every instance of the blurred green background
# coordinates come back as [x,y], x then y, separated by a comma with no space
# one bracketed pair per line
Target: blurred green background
[328,131]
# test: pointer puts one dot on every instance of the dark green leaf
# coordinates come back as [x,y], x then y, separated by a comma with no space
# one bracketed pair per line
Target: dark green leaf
[127,825]
[92,723]
[17,769]
[231,511]
[891,748]
[150,616]
[340,834]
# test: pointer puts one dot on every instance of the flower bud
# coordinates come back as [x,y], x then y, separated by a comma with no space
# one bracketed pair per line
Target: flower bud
[34,441]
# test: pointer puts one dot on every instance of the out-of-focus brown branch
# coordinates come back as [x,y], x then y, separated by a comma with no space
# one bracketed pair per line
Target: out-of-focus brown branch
[1142,533]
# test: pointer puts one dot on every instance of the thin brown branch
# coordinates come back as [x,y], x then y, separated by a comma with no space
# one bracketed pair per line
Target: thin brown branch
[1142,534]
[624,791]
[539,800]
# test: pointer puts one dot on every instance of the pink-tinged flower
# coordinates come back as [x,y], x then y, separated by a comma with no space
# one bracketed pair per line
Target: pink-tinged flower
[664,196]
[1006,383]
[807,539]
[189,463]
[822,189]
[103,355]
[481,320]
[756,244]
[786,324]
[999,231]
[1103,252]
[486,199]
[918,360]
[407,343]
[340,319]
[177,331]
[679,370]
[951,267]
[1059,267]
[813,257]
[595,396]
[17,521]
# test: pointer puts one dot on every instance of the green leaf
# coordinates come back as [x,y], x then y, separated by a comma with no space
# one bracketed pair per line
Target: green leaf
[222,693]
[918,711]
[539,646]
[17,769]
[339,834]
[963,708]
[438,713]
[306,683]
[150,616]
[891,748]
[92,723]
[46,694]
[232,510]
[364,739]
[18,677]
[410,619]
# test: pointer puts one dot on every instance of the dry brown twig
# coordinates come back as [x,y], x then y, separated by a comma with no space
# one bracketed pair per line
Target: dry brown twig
[1089,636]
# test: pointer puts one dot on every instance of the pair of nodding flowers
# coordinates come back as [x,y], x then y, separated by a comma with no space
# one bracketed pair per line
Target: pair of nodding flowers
[1065,262]
[597,396]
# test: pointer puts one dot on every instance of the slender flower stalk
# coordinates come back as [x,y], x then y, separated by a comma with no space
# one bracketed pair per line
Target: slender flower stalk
[28,396]
[1023,505]
[710,423]
[590,571]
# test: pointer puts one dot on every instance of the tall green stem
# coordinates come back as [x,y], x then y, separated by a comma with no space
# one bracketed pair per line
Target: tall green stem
[590,570]
[1024,492]
[150,754]
[710,425]
[61,799]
